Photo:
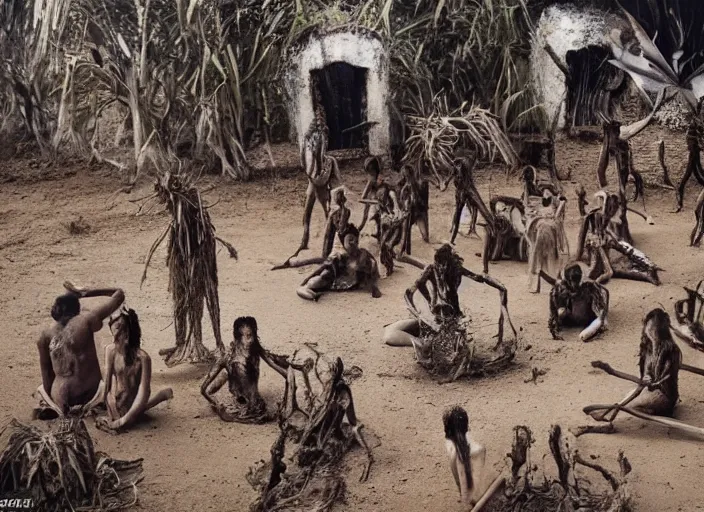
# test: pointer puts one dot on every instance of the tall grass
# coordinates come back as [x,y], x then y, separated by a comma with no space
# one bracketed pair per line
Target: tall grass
[203,82]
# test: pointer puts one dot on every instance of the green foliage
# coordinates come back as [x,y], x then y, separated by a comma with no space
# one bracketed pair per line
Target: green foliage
[203,81]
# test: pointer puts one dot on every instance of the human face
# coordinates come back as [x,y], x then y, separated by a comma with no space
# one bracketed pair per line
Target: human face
[246,336]
[118,328]
[350,243]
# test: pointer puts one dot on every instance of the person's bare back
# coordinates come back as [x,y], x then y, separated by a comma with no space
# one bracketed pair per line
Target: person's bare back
[69,362]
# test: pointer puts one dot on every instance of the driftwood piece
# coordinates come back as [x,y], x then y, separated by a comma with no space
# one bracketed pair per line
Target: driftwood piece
[688,316]
[526,492]
[656,392]
[315,436]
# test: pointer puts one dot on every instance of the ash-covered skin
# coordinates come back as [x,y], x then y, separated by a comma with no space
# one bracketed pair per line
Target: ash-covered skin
[575,302]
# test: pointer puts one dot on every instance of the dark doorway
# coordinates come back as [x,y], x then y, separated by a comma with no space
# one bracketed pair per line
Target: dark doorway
[593,86]
[343,90]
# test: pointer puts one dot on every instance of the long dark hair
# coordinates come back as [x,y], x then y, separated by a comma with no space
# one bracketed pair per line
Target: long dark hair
[456,423]
[134,334]
[256,350]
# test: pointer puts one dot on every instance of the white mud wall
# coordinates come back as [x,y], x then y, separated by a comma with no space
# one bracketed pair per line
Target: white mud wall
[357,49]
[564,28]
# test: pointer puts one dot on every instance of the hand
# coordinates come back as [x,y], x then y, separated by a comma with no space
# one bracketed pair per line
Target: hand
[106,425]
[80,291]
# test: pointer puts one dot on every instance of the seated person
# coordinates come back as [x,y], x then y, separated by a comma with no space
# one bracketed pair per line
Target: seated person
[129,394]
[348,269]
[577,302]
[444,275]
[240,370]
[71,377]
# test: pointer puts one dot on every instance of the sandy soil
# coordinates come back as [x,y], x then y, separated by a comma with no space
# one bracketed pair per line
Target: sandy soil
[193,461]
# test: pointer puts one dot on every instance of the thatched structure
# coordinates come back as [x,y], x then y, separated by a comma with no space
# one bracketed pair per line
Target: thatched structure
[209,82]
[157,63]
[60,470]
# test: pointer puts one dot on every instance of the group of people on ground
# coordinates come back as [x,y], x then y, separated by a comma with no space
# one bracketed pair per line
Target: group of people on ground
[72,381]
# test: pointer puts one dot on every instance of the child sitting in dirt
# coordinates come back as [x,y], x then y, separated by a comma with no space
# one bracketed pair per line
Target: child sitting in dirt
[129,394]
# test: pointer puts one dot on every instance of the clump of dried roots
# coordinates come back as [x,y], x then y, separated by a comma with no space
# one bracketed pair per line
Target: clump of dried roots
[526,491]
[192,262]
[77,227]
[317,439]
[454,352]
[62,471]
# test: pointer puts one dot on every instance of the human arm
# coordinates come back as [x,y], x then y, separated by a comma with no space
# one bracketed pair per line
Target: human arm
[279,363]
[45,365]
[581,239]
[553,319]
[321,268]
[419,285]
[503,297]
[215,370]
[608,271]
[600,307]
[374,278]
[329,237]
[109,370]
[96,317]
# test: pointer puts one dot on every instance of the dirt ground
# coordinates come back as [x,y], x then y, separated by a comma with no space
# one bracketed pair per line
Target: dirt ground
[193,461]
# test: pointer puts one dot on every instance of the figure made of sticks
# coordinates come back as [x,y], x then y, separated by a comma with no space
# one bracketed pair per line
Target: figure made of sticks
[603,246]
[620,149]
[320,168]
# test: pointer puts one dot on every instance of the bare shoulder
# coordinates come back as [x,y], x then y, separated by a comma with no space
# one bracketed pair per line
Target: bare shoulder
[368,256]
[45,337]
[144,357]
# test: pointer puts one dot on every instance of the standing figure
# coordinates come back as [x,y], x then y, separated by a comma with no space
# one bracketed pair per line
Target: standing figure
[239,368]
[694,162]
[337,222]
[69,363]
[467,195]
[320,168]
[372,167]
[414,198]
[128,374]
[545,234]
[614,145]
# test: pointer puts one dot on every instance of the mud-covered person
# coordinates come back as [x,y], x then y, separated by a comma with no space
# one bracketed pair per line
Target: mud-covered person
[68,359]
[350,269]
[239,369]
[128,374]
